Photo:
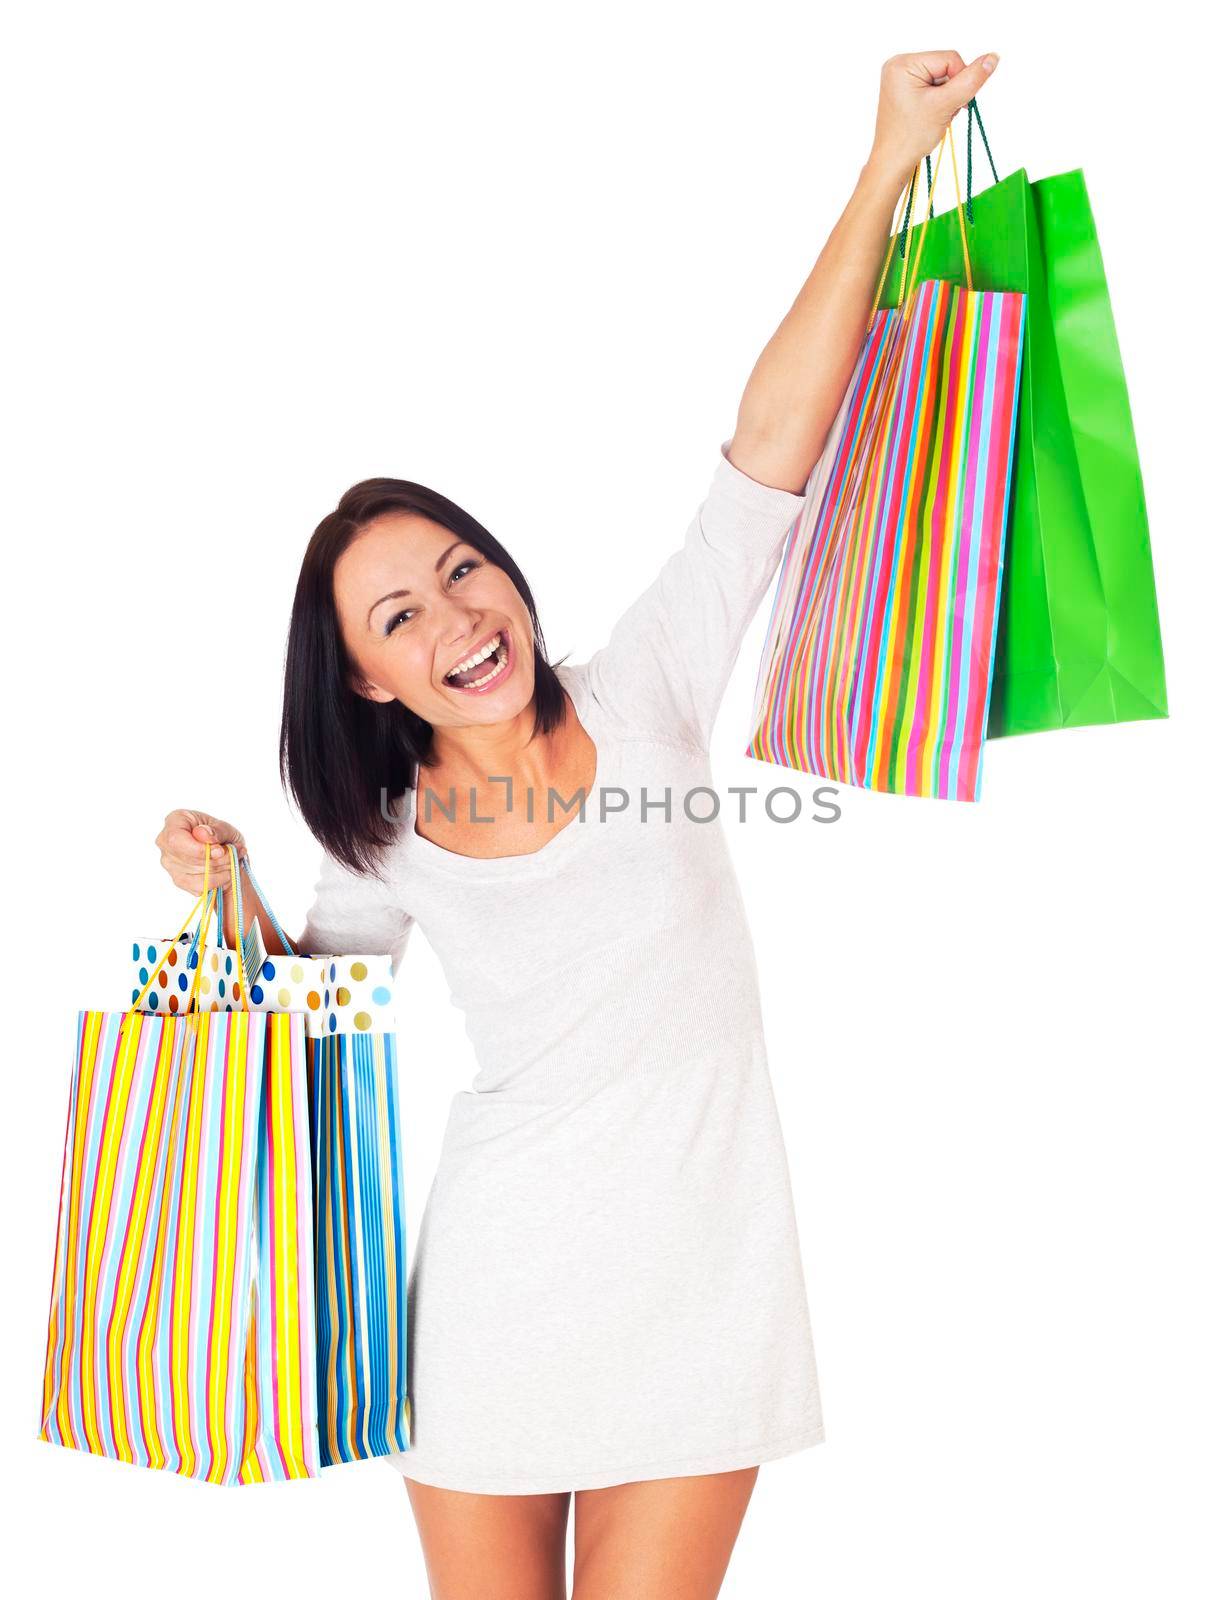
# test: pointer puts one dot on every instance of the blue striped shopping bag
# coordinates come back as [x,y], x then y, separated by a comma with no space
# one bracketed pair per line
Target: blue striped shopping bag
[358,1203]
[360,1246]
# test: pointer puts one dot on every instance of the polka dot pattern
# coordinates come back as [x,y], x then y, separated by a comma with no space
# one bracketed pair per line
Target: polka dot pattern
[336,994]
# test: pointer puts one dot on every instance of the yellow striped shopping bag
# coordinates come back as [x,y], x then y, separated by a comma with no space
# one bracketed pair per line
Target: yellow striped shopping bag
[356,1163]
[181,1333]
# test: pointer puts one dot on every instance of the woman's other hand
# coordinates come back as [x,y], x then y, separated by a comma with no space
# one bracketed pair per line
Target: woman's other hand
[184,841]
[920,94]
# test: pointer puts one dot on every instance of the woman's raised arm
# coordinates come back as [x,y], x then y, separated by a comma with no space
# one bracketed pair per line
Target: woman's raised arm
[799,380]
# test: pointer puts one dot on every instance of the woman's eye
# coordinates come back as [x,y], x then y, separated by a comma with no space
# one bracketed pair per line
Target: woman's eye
[403,616]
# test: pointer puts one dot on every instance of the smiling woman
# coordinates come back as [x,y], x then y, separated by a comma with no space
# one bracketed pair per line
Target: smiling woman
[388,605]
[606,1298]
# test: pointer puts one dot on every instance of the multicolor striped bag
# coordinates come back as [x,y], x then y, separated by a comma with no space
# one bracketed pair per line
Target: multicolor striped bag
[182,1316]
[357,1170]
[361,1278]
[358,1193]
[320,1153]
[876,667]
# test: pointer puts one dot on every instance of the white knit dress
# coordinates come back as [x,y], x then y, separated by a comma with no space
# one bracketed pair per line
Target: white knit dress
[606,1284]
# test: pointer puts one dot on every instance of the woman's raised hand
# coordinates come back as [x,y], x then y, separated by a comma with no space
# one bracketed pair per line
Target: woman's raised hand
[184,841]
[920,94]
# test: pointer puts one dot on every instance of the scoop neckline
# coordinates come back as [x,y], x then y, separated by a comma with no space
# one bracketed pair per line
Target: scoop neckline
[561,844]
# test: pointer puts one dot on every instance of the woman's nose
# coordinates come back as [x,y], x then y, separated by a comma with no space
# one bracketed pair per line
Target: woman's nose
[458,626]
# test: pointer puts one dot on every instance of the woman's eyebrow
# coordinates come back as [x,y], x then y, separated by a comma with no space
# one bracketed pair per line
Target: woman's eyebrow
[401,594]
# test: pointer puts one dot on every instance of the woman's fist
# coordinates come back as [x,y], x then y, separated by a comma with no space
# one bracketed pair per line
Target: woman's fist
[920,94]
[184,841]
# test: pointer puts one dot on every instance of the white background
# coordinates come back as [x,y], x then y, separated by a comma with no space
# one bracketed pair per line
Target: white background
[528,254]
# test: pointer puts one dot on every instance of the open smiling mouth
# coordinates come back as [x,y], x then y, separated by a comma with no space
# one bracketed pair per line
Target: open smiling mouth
[481,671]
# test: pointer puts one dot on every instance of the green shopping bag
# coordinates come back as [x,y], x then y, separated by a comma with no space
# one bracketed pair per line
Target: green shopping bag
[1078,639]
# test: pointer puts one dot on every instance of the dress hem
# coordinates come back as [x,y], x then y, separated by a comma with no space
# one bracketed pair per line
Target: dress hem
[673,1467]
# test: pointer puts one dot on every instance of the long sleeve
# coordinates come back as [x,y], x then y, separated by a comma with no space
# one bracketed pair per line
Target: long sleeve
[354,915]
[666,664]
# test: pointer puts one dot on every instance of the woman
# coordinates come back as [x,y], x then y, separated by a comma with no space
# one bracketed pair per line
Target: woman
[606,1297]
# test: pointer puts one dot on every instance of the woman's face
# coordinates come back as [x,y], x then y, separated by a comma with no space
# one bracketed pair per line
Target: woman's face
[414,601]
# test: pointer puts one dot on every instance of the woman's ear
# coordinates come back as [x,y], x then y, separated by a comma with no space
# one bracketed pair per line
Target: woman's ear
[370,691]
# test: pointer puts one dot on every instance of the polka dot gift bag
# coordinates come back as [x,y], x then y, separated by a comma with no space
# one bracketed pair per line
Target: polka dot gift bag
[182,1325]
[345,1003]
[337,994]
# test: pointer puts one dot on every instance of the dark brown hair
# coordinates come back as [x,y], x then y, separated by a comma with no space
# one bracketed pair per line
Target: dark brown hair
[339,753]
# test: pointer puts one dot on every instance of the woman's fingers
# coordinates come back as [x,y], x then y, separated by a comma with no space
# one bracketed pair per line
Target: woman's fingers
[189,875]
[193,882]
[199,825]
[921,92]
[964,82]
[930,66]
[184,842]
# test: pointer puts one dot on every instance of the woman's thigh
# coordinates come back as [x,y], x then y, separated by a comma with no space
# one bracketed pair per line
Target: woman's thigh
[491,1546]
[664,1539]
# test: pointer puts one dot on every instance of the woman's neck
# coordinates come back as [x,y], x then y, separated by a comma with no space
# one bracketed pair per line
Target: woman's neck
[473,756]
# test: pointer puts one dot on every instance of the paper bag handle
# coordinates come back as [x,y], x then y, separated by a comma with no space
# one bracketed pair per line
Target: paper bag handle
[265,905]
[971,112]
[204,907]
[906,290]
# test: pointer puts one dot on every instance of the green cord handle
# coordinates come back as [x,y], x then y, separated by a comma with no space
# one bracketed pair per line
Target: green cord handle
[971,113]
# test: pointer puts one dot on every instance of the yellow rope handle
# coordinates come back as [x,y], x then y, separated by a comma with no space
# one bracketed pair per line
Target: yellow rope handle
[931,189]
[198,904]
[242,983]
[211,902]
[908,190]
[234,862]
[207,903]
[965,248]
[969,281]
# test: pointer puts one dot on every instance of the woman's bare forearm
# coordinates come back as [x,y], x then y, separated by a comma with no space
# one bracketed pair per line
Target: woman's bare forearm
[795,391]
[799,380]
[252,907]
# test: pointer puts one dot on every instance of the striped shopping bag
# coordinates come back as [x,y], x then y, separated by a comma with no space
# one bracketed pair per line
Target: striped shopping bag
[358,1191]
[360,1246]
[876,666]
[181,1327]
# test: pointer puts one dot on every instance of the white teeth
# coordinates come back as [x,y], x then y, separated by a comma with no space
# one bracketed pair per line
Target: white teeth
[480,683]
[480,656]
